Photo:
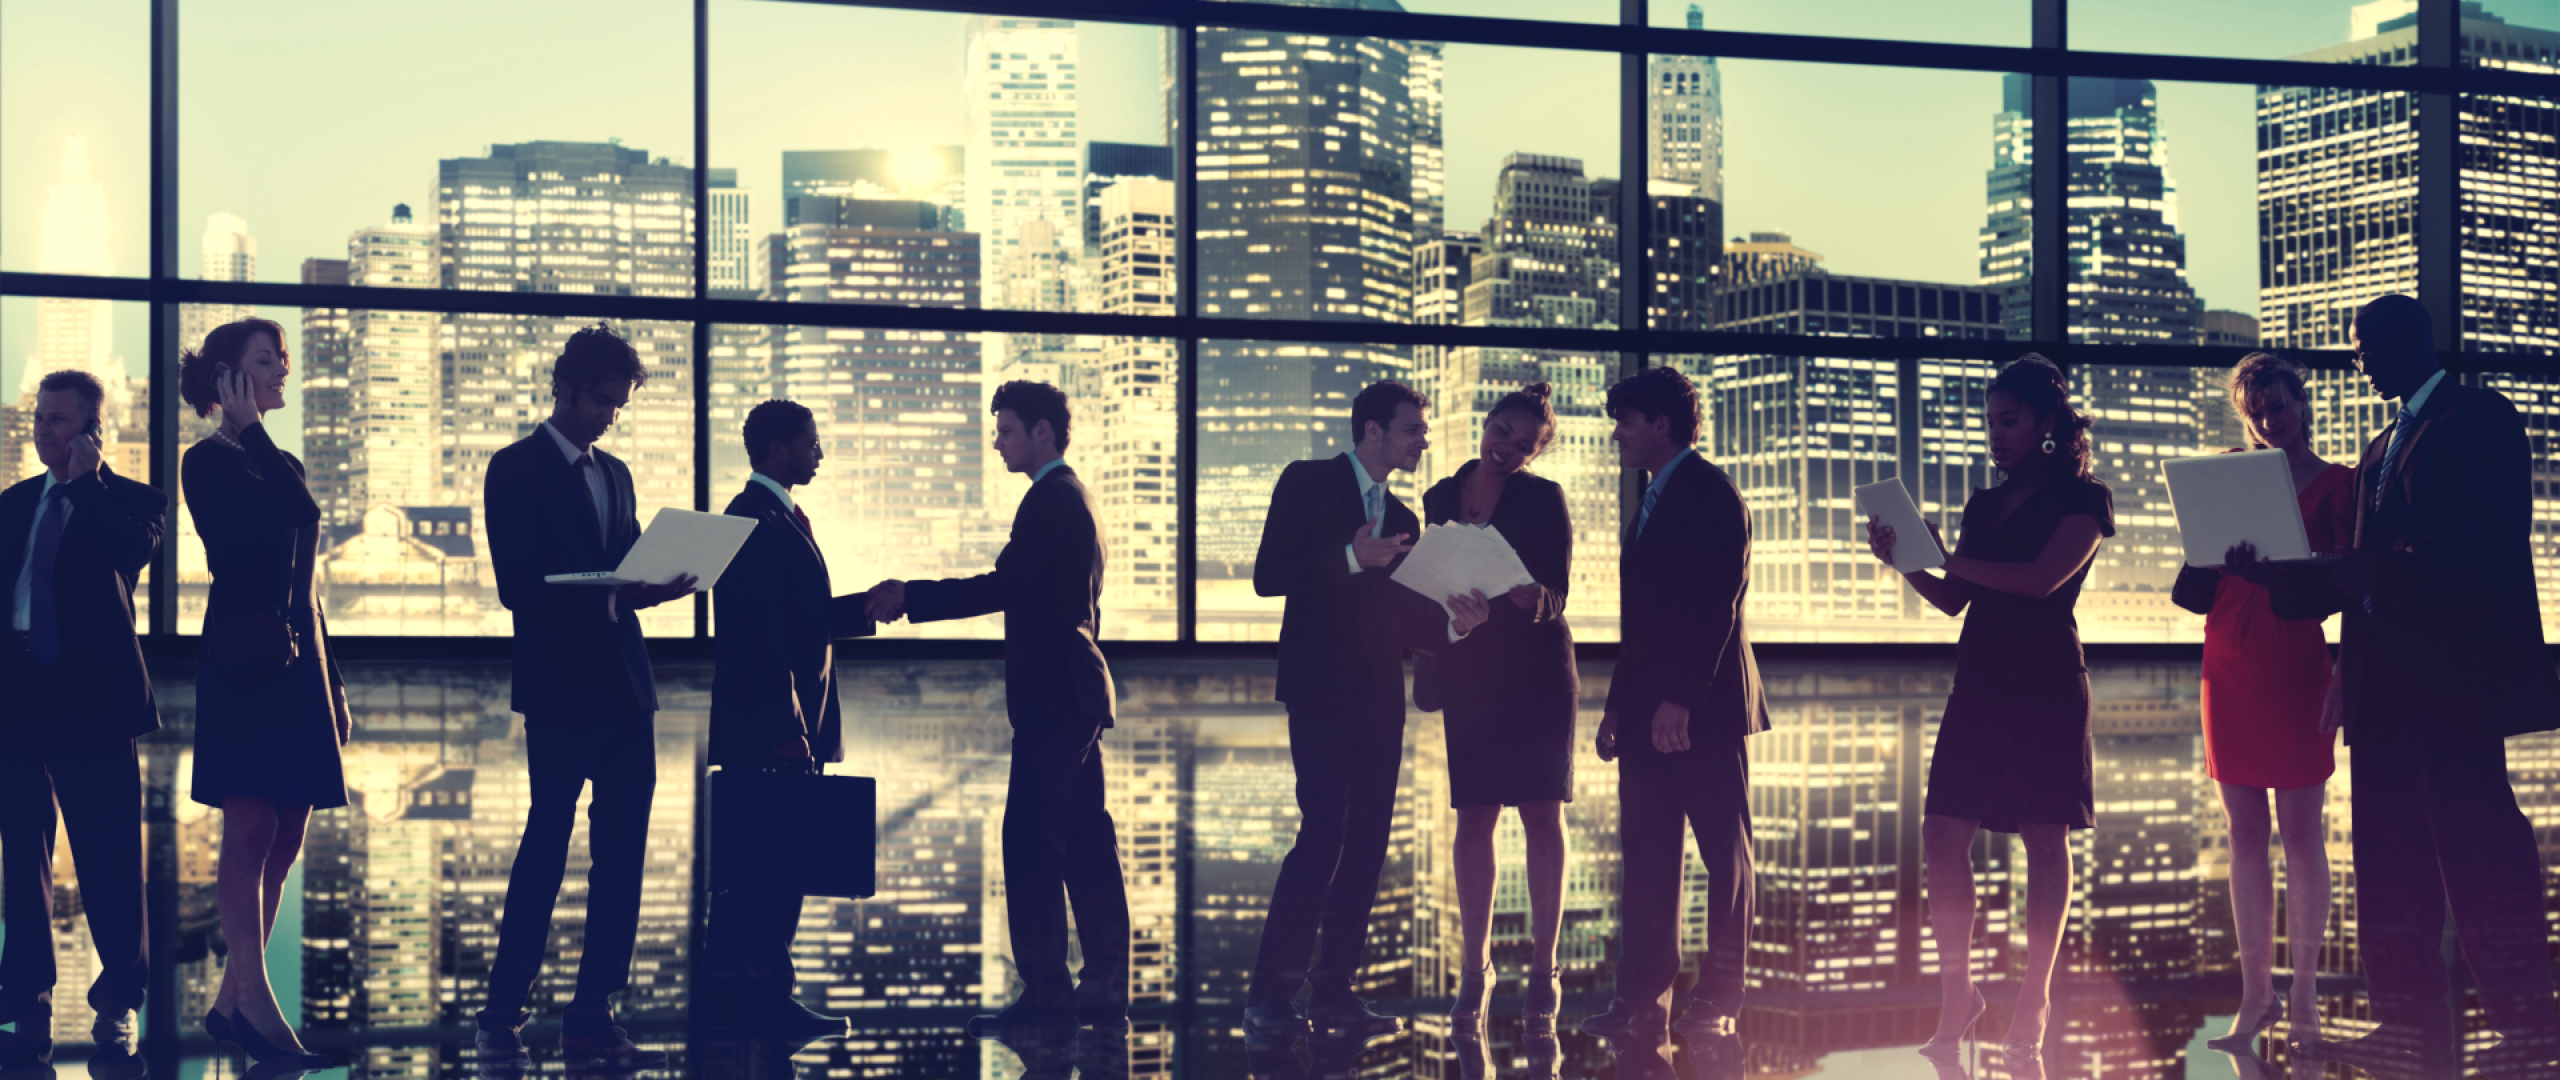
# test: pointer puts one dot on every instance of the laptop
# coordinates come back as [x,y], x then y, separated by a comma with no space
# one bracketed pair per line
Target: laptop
[2226,499]
[677,542]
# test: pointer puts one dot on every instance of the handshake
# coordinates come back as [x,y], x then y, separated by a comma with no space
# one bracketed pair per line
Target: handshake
[886,602]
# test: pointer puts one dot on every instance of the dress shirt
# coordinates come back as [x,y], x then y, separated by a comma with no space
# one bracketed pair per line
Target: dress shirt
[22,606]
[1042,473]
[1653,490]
[1349,554]
[2418,401]
[775,486]
[594,471]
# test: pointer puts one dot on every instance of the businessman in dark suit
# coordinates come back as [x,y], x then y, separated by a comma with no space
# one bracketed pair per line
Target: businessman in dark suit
[1684,696]
[72,542]
[558,505]
[1333,536]
[773,707]
[2441,661]
[1060,844]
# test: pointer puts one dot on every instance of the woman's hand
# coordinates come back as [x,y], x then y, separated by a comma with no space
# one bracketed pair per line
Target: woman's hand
[1468,612]
[238,401]
[1526,597]
[1880,539]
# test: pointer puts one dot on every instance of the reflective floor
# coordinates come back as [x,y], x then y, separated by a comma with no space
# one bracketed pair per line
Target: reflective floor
[390,921]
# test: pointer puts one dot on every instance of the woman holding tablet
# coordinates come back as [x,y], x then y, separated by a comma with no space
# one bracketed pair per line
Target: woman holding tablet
[2264,681]
[2013,753]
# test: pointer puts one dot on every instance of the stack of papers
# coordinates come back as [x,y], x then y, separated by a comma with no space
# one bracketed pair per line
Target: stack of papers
[1451,559]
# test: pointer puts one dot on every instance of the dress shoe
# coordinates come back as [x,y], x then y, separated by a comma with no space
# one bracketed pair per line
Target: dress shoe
[784,1019]
[116,1061]
[1025,1018]
[1345,1016]
[1952,1049]
[1640,1023]
[1103,1005]
[498,1038]
[1268,1026]
[596,1041]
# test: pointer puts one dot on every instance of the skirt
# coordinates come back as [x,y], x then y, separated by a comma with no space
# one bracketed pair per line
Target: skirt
[271,735]
[1513,753]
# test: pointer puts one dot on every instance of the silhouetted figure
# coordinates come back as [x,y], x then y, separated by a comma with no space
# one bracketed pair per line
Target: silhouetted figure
[2264,679]
[2441,660]
[1060,844]
[1333,536]
[1510,692]
[2013,752]
[271,709]
[558,505]
[1684,697]
[72,542]
[773,707]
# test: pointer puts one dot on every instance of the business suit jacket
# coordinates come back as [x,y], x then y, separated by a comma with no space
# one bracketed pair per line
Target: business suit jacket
[571,657]
[1681,586]
[775,650]
[1048,583]
[1343,636]
[113,533]
[2454,641]
[1519,659]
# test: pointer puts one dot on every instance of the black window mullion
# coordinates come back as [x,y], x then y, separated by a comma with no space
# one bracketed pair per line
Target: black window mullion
[2049,150]
[161,349]
[2440,177]
[1635,213]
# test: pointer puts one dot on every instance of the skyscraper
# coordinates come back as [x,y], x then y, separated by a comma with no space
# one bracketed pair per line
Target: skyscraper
[230,254]
[1020,83]
[1684,120]
[325,366]
[394,445]
[732,235]
[1132,409]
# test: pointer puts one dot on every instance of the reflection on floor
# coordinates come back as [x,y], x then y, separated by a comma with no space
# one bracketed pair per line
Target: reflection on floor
[389,926]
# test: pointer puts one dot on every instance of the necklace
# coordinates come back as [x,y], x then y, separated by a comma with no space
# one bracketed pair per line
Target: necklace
[1473,510]
[224,437]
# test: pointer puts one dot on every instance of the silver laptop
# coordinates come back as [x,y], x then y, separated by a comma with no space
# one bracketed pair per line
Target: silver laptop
[2227,499]
[677,542]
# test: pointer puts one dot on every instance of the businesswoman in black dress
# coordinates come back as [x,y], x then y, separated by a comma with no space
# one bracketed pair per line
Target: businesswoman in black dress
[1510,689]
[271,710]
[2013,752]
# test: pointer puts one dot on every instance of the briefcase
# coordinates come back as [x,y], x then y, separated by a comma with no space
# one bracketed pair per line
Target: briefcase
[801,833]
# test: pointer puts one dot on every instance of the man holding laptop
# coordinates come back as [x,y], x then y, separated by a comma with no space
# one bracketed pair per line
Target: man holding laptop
[558,505]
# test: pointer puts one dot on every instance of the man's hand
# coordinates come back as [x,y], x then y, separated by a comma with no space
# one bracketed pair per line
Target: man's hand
[1671,728]
[1607,742]
[84,455]
[1375,552]
[887,602]
[644,597]
[1469,611]
[1526,597]
[2333,705]
[2242,562]
[2356,573]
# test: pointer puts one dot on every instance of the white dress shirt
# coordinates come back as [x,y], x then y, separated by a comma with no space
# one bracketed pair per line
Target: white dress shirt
[22,606]
[1360,472]
[594,477]
[775,486]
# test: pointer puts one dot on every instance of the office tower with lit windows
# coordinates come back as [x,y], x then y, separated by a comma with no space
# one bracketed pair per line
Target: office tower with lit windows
[325,366]
[1110,163]
[732,235]
[1426,74]
[1799,433]
[1306,189]
[1021,86]
[1684,258]
[393,442]
[1684,120]
[563,217]
[1129,414]
[229,254]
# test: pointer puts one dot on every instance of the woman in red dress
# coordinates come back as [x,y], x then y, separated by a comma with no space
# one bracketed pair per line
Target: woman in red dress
[2265,682]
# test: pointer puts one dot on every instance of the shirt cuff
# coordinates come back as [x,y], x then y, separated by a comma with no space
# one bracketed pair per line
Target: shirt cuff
[1351,556]
[1454,636]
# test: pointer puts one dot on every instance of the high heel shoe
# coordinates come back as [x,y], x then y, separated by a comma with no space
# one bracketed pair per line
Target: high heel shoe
[265,1053]
[1475,988]
[218,1027]
[1949,1048]
[2024,1060]
[2243,1037]
[1544,997]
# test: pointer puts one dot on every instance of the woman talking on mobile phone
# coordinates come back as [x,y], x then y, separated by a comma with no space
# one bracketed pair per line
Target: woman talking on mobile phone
[271,709]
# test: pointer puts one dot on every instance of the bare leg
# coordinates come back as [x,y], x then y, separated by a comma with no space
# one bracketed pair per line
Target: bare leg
[2306,886]
[2048,903]
[1948,842]
[291,821]
[1473,866]
[1547,855]
[2253,899]
[249,827]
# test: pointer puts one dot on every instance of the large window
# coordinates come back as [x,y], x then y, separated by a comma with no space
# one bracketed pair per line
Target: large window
[1839,218]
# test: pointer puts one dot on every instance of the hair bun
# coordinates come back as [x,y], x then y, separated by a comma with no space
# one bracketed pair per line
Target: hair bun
[1539,390]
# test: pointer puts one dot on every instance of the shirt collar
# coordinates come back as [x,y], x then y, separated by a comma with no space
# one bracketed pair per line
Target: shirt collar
[50,482]
[775,486]
[1361,473]
[1664,473]
[568,449]
[1042,473]
[2426,389]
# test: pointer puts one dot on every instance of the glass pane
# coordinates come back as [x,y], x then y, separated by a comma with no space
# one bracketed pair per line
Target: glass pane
[394,415]
[1332,170]
[532,177]
[2518,35]
[2510,233]
[1800,206]
[981,188]
[2537,397]
[2338,202]
[75,145]
[1965,22]
[911,487]
[1585,11]
[107,339]
[2271,29]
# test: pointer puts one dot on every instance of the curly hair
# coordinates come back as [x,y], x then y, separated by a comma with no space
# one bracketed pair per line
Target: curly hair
[1033,402]
[2258,373]
[594,355]
[2040,385]
[774,421]
[198,384]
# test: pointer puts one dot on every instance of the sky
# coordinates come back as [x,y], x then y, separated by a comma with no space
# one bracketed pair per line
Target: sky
[285,123]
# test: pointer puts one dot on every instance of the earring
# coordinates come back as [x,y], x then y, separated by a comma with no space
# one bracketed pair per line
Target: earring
[2048,444]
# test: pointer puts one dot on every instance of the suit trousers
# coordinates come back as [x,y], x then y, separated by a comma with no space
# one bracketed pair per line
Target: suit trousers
[1707,788]
[749,961]
[2437,825]
[617,752]
[97,783]
[1347,758]
[1061,847]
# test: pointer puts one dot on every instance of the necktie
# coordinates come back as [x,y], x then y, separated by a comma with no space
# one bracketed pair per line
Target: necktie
[44,637]
[2391,454]
[1369,502]
[805,529]
[587,468]
[1644,517]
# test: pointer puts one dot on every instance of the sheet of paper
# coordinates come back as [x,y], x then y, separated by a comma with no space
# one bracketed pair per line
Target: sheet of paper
[1888,500]
[1451,559]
